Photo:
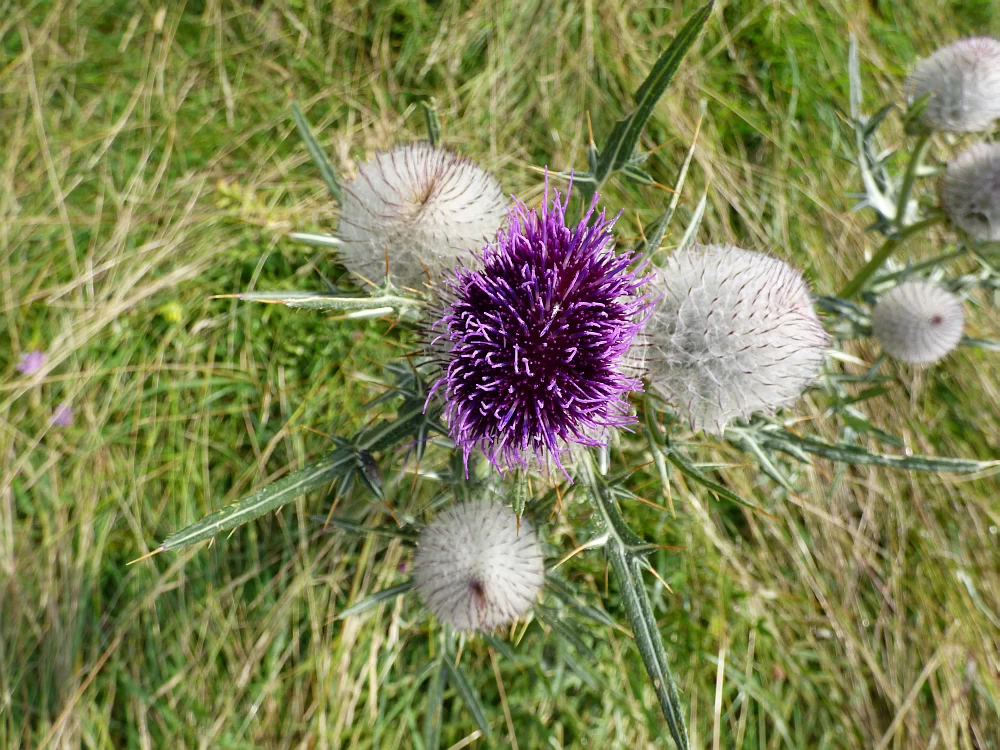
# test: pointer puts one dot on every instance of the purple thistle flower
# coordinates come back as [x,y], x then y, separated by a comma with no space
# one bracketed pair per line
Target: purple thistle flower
[63,416]
[31,362]
[537,341]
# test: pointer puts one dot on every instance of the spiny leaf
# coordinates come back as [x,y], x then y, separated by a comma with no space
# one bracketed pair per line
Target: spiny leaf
[382,305]
[318,155]
[689,470]
[854,454]
[267,499]
[618,150]
[431,121]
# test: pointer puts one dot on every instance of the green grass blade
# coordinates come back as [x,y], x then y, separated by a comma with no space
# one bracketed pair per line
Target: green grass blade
[616,153]
[435,697]
[318,155]
[375,599]
[469,697]
[267,499]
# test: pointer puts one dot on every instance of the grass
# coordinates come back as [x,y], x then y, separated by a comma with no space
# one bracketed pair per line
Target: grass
[148,162]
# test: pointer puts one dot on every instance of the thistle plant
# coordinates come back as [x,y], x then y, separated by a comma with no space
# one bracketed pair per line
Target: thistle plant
[547,343]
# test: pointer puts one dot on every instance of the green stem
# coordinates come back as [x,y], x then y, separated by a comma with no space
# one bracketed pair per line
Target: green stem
[909,178]
[856,284]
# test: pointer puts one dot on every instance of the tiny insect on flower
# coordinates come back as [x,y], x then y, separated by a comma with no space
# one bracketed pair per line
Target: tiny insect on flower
[420,209]
[963,81]
[918,321]
[536,343]
[475,569]
[734,333]
[970,191]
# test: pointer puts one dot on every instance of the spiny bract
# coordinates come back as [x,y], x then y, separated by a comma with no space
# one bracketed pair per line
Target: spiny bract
[970,191]
[963,80]
[537,339]
[733,333]
[424,209]
[474,569]
[918,321]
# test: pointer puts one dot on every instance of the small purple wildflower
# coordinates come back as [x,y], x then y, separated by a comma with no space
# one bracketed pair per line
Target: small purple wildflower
[31,362]
[537,340]
[63,416]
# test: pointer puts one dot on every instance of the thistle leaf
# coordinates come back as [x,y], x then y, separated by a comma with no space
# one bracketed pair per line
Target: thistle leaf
[431,121]
[318,155]
[264,500]
[793,444]
[617,152]
[318,301]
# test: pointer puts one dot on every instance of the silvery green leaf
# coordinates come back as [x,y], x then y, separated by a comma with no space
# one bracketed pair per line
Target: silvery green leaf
[520,499]
[689,470]
[381,304]
[992,345]
[637,174]
[375,599]
[469,696]
[318,155]
[564,631]
[854,454]
[566,595]
[318,240]
[274,495]
[621,144]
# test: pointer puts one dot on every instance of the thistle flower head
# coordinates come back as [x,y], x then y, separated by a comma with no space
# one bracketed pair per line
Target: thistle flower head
[918,321]
[423,208]
[733,333]
[474,569]
[970,191]
[537,340]
[963,80]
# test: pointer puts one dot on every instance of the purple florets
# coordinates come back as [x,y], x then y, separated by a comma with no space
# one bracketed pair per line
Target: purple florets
[538,340]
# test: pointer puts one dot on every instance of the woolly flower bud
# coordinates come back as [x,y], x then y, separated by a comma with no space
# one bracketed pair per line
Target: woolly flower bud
[963,80]
[918,321]
[733,333]
[424,207]
[474,569]
[970,191]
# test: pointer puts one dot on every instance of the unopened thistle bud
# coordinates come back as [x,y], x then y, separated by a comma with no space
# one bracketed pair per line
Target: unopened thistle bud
[421,209]
[963,80]
[734,333]
[970,191]
[475,570]
[918,321]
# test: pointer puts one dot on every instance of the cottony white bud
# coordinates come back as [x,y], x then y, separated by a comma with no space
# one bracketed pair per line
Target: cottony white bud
[918,321]
[734,333]
[425,208]
[963,80]
[474,569]
[970,191]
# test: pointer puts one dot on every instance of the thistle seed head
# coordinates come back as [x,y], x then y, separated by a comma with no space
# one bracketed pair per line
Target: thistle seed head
[536,342]
[963,80]
[970,191]
[475,570]
[425,208]
[734,332]
[918,321]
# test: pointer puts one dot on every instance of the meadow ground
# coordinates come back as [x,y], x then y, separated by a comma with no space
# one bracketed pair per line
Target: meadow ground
[148,162]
